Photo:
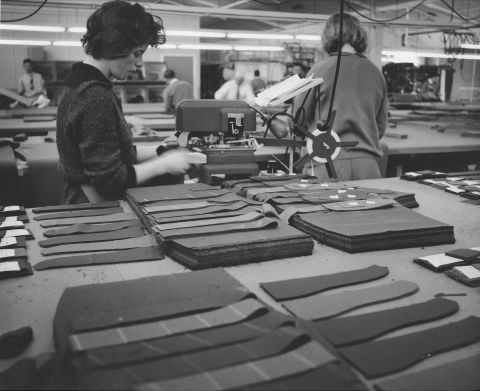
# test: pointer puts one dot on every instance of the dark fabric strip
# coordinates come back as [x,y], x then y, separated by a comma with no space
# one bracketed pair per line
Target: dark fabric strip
[301,287]
[321,306]
[92,228]
[127,334]
[277,342]
[160,219]
[133,232]
[79,213]
[72,207]
[89,220]
[308,356]
[263,223]
[386,356]
[134,255]
[143,241]
[361,328]
[459,375]
[179,344]
[202,210]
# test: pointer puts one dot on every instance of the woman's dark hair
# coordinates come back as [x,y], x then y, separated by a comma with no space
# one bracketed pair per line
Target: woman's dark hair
[117,27]
[353,34]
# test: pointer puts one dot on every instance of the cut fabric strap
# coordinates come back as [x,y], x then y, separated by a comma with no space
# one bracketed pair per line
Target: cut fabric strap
[13,242]
[310,355]
[375,358]
[78,213]
[143,241]
[322,306]
[133,232]
[274,343]
[458,375]
[262,223]
[15,268]
[301,287]
[72,207]
[89,219]
[134,255]
[92,228]
[164,347]
[127,334]
[361,328]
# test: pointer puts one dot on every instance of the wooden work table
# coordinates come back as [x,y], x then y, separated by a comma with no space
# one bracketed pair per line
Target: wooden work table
[31,301]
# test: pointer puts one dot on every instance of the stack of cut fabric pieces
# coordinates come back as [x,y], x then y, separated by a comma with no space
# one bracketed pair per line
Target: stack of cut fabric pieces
[13,246]
[203,226]
[461,264]
[92,234]
[349,218]
[191,331]
[364,340]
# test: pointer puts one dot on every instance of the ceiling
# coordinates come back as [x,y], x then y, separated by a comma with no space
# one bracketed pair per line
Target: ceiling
[277,15]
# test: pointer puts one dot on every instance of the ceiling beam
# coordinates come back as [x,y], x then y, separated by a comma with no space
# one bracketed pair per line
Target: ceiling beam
[235,4]
[206,3]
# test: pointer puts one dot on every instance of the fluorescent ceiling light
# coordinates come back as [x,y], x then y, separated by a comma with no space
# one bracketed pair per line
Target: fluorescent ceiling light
[306,37]
[24,42]
[259,36]
[199,33]
[470,46]
[67,43]
[402,53]
[24,27]
[164,46]
[259,48]
[82,30]
[204,46]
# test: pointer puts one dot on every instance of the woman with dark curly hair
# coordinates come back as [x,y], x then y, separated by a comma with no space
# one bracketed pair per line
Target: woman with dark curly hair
[97,157]
[360,101]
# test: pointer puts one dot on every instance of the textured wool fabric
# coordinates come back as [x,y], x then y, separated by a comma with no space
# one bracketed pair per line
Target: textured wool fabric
[89,220]
[272,344]
[20,232]
[233,313]
[439,262]
[133,255]
[105,305]
[360,328]
[375,358]
[323,306]
[466,254]
[14,268]
[133,232]
[13,242]
[11,210]
[310,355]
[468,275]
[78,213]
[10,253]
[458,375]
[301,287]
[85,206]
[92,228]
[183,216]
[93,139]
[154,349]
[142,241]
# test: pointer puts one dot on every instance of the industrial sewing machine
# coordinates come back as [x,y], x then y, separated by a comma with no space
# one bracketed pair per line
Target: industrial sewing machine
[217,128]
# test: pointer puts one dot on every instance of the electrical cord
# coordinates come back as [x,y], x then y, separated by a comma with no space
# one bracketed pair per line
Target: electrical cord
[385,20]
[25,17]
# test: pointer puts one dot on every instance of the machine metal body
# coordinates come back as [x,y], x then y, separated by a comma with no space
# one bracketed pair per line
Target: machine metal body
[217,128]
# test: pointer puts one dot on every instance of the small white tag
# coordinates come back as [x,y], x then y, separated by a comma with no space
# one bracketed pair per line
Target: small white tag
[455,190]
[351,196]
[454,178]
[335,197]
[9,267]
[10,219]
[16,232]
[353,203]
[414,174]
[440,260]
[8,242]
[471,182]
[7,253]
[370,202]
[341,191]
[471,272]
[324,184]
[11,208]
[475,192]
[12,224]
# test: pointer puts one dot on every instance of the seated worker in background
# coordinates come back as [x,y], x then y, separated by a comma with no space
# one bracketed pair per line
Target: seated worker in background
[235,86]
[30,84]
[258,84]
[176,91]
[97,157]
[360,102]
